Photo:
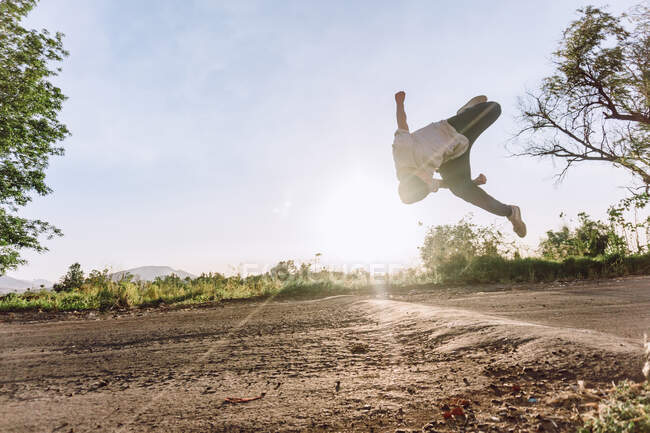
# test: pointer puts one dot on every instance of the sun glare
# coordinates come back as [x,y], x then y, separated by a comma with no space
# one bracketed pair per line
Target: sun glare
[356,216]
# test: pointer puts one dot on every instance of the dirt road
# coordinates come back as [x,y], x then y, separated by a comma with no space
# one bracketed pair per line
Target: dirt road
[508,358]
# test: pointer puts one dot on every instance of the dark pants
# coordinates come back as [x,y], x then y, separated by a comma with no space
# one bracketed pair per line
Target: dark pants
[457,172]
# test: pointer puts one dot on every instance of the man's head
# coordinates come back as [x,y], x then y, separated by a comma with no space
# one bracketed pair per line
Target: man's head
[413,189]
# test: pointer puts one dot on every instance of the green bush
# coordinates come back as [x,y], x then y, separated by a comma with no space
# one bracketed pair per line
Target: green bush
[495,269]
[449,249]
[591,238]
[627,410]
[72,280]
[483,269]
[467,253]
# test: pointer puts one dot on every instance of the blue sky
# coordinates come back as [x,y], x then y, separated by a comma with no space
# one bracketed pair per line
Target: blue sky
[213,134]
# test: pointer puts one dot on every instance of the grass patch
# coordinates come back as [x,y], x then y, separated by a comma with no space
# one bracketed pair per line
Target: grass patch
[627,410]
[99,292]
[497,269]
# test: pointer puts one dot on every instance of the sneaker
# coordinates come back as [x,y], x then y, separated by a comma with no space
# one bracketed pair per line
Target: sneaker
[517,224]
[472,102]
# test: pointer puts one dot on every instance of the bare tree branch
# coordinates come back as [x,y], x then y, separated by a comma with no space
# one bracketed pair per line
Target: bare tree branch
[595,107]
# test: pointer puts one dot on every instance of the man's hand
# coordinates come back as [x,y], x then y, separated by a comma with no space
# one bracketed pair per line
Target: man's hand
[400,96]
[480,180]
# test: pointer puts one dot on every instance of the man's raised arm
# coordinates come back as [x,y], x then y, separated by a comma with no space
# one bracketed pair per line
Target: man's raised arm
[401,114]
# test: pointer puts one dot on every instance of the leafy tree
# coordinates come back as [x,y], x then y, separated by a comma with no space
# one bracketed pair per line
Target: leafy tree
[558,244]
[591,238]
[305,270]
[284,270]
[29,127]
[73,279]
[444,243]
[457,244]
[99,279]
[596,106]
[629,234]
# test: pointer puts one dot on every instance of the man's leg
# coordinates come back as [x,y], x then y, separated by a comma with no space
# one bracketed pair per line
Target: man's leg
[457,172]
[472,193]
[471,123]
[474,120]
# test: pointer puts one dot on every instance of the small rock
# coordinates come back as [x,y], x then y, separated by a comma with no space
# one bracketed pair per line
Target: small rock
[430,428]
[359,348]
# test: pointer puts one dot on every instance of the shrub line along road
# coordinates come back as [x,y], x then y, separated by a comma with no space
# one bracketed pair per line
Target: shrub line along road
[392,360]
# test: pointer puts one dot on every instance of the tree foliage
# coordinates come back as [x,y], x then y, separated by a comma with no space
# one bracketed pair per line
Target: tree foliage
[590,239]
[631,231]
[29,126]
[455,245]
[73,279]
[596,106]
[284,270]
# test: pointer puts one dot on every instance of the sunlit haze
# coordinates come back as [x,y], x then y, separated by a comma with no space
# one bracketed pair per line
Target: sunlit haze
[211,136]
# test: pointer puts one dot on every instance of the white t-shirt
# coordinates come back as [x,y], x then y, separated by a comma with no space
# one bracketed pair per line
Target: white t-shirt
[427,148]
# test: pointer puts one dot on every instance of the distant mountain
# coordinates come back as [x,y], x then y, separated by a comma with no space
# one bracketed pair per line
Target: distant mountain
[8,284]
[150,273]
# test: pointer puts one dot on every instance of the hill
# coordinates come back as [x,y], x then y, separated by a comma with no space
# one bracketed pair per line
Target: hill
[9,284]
[150,273]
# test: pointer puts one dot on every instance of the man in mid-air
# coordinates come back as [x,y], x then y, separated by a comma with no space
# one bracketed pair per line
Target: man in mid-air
[444,147]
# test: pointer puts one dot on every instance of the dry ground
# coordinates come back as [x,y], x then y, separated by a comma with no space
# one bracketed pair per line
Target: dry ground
[510,357]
